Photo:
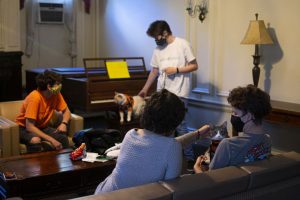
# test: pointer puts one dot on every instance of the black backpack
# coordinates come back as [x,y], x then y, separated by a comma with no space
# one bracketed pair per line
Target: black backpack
[97,139]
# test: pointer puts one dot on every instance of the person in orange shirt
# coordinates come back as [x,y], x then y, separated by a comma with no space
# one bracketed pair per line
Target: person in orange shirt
[44,115]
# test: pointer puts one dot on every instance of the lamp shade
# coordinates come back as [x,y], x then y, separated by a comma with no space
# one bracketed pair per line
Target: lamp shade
[257,33]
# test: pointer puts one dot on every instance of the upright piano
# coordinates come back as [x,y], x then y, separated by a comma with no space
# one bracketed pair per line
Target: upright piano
[90,89]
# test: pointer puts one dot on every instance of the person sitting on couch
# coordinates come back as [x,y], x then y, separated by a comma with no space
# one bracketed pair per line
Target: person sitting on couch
[249,105]
[44,115]
[149,155]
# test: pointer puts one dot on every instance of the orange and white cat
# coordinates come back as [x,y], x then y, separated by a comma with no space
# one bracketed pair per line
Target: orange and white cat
[132,105]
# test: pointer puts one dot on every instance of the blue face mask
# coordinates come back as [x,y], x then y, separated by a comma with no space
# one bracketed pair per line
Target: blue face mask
[161,42]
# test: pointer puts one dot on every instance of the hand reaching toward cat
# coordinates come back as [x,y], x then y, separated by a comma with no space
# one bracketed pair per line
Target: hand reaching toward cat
[142,93]
[189,138]
[204,131]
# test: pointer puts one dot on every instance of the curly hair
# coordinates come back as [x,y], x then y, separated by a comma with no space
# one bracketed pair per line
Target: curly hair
[158,27]
[251,99]
[163,112]
[48,77]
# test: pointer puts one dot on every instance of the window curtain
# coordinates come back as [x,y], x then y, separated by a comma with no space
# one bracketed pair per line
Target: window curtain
[70,23]
[31,16]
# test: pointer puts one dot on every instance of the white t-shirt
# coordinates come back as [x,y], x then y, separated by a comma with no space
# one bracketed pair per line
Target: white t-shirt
[176,54]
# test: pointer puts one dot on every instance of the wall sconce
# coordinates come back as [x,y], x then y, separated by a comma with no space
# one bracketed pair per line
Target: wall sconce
[256,34]
[193,8]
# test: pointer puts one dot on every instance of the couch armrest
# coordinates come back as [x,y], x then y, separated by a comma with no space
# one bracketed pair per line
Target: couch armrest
[76,124]
[9,137]
[275,169]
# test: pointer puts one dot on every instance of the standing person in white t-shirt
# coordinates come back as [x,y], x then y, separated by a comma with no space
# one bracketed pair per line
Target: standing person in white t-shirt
[172,62]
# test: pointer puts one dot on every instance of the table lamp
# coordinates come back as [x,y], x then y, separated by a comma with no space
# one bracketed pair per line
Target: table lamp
[256,34]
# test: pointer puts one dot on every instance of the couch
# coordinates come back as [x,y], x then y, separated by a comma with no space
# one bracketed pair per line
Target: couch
[9,130]
[275,178]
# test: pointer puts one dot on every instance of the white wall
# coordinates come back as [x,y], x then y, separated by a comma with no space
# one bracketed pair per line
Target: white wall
[113,28]
[119,27]
[225,63]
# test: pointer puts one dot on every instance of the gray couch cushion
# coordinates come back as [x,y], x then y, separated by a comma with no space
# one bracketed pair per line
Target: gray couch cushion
[287,189]
[148,191]
[276,168]
[209,185]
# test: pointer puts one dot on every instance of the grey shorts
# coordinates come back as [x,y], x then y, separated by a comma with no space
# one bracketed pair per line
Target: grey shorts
[26,136]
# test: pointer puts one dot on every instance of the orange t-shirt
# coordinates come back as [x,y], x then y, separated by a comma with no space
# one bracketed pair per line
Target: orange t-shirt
[39,108]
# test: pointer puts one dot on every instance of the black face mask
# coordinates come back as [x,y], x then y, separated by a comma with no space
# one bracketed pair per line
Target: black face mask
[237,123]
[161,42]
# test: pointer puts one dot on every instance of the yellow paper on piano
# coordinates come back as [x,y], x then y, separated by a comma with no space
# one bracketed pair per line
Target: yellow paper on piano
[117,69]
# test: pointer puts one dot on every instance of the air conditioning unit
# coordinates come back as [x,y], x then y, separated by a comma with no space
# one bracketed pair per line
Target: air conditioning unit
[51,13]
